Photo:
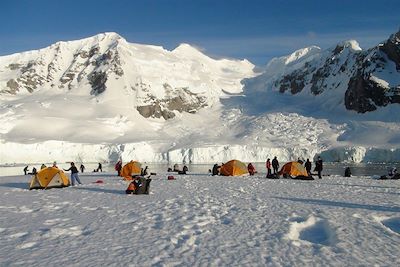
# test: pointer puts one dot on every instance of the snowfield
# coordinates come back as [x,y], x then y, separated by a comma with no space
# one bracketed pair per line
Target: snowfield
[202,220]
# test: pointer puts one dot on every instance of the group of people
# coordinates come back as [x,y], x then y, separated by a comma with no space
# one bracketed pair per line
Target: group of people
[184,170]
[73,169]
[275,166]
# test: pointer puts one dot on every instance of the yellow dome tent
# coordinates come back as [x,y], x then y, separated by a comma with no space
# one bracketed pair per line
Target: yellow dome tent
[49,177]
[293,169]
[234,168]
[131,168]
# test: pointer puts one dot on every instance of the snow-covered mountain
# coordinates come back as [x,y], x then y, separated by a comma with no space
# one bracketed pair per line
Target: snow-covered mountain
[155,81]
[101,98]
[339,78]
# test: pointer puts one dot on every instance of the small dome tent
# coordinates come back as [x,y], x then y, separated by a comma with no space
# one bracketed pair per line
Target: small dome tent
[293,169]
[234,168]
[49,177]
[131,168]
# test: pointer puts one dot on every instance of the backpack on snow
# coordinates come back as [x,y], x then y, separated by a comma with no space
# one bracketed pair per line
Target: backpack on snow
[139,186]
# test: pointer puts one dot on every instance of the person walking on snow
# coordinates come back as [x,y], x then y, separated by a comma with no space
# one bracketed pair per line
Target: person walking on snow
[268,165]
[275,165]
[82,167]
[74,174]
[99,168]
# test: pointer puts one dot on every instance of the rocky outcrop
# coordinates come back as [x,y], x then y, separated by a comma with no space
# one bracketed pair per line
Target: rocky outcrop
[185,101]
[392,49]
[360,74]
[98,82]
[364,94]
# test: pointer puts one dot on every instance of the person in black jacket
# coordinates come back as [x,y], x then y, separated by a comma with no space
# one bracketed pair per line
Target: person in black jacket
[100,168]
[26,170]
[319,167]
[275,165]
[307,165]
[74,174]
[215,169]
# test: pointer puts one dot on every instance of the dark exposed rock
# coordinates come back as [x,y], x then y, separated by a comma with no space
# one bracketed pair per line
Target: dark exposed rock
[14,66]
[392,49]
[93,51]
[98,82]
[13,87]
[364,94]
[293,82]
[185,101]
[12,84]
[338,49]
[356,97]
[155,111]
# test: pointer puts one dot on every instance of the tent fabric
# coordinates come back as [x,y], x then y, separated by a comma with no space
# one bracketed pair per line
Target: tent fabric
[234,168]
[49,177]
[293,169]
[131,168]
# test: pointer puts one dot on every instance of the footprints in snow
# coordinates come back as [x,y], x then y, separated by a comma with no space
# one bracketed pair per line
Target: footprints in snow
[390,223]
[313,229]
[318,231]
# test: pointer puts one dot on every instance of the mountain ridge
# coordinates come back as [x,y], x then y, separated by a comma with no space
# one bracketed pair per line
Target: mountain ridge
[104,98]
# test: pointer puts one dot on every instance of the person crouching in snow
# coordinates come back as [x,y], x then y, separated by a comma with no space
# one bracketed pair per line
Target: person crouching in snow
[74,174]
[251,169]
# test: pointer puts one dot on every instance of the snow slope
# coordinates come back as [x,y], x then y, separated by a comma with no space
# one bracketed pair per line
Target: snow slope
[202,220]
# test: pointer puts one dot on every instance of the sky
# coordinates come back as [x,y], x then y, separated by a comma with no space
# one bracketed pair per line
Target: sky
[252,29]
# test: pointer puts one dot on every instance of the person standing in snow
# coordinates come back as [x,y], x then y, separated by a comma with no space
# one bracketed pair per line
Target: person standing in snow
[118,167]
[268,165]
[55,165]
[307,165]
[100,168]
[43,166]
[26,170]
[82,167]
[74,174]
[144,172]
[319,167]
[275,165]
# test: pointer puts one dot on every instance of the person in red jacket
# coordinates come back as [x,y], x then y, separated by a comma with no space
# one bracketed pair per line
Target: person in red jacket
[268,165]
[118,167]
[251,169]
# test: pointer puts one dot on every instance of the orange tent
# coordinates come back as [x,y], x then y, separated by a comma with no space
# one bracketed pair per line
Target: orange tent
[293,169]
[131,168]
[234,168]
[49,177]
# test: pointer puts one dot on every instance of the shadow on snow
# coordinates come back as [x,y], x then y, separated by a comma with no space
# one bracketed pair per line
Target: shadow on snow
[341,204]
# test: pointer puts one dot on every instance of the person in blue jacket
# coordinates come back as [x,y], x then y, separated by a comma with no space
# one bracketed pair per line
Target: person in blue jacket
[74,174]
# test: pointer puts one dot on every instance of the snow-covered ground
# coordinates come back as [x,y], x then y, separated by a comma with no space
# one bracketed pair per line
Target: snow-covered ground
[202,220]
